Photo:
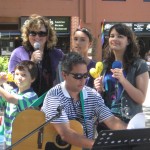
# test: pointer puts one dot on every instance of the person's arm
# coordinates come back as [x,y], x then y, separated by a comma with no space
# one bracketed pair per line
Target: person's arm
[115,123]
[138,93]
[4,93]
[98,84]
[72,137]
[105,115]
[8,96]
[37,56]
[17,56]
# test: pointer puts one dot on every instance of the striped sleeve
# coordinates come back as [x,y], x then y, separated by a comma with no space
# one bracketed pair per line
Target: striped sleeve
[50,105]
[2,102]
[26,100]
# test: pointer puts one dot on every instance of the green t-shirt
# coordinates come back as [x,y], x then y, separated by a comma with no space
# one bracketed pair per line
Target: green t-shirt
[25,99]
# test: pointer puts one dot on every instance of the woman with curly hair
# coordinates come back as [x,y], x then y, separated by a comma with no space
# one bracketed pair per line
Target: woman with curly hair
[123,88]
[38,41]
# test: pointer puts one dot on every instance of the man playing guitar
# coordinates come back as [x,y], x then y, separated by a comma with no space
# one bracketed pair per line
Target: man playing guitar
[80,103]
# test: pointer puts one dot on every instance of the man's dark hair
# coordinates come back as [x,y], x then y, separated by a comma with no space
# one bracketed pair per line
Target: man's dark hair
[30,66]
[71,59]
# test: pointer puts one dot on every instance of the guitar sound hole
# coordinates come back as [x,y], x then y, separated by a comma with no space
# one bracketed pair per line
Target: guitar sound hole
[52,146]
[59,141]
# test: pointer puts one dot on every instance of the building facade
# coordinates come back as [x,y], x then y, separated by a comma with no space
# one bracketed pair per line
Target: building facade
[68,14]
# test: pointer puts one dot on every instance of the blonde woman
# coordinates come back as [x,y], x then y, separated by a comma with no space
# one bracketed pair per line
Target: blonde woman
[38,41]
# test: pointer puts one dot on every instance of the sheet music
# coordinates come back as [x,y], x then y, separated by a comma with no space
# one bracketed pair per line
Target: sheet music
[138,121]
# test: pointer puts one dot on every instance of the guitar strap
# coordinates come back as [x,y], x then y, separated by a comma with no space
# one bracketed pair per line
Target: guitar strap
[82,106]
[38,101]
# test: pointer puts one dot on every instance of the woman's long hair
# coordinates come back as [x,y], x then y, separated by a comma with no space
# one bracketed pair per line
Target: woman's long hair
[132,50]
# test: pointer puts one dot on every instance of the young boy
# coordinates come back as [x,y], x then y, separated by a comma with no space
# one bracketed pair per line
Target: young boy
[20,98]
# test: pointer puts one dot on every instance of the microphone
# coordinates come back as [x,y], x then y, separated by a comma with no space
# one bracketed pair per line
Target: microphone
[95,72]
[116,64]
[60,108]
[36,46]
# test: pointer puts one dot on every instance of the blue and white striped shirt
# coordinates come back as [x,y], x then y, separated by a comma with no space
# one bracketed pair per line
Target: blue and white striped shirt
[93,107]
[25,99]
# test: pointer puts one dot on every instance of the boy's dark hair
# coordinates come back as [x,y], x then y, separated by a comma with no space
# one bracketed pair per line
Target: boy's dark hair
[71,59]
[30,66]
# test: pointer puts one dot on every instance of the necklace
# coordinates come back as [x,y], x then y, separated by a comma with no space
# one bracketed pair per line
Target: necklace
[77,108]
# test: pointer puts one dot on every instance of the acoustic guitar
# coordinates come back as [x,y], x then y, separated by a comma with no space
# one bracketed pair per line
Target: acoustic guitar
[45,139]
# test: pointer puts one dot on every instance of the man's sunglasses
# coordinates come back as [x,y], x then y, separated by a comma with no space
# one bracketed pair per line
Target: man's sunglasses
[79,76]
[40,33]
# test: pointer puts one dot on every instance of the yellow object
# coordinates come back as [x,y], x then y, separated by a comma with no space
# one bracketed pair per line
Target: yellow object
[95,72]
[10,77]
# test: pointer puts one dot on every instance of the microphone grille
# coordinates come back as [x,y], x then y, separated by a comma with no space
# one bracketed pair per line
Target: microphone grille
[116,64]
[36,45]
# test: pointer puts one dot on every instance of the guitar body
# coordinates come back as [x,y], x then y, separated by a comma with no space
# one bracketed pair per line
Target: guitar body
[30,119]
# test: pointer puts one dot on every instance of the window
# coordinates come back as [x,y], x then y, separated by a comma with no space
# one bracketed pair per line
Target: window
[146,0]
[8,41]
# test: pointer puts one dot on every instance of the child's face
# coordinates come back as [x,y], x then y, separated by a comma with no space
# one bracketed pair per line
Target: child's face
[23,79]
[81,42]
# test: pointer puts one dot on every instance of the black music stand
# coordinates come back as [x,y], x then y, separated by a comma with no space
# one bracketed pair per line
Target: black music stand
[131,139]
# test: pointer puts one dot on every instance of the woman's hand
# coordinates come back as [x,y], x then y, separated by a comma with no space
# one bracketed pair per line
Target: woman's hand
[118,74]
[37,56]
[98,84]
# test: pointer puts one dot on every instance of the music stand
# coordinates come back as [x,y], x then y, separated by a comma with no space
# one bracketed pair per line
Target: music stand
[132,139]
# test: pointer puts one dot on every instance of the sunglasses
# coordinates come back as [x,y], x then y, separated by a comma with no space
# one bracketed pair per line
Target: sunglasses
[79,76]
[40,33]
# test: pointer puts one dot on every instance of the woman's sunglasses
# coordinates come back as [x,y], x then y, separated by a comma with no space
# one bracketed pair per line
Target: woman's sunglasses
[79,76]
[40,33]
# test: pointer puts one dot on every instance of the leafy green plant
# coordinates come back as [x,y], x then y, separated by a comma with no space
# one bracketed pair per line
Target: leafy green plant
[4,63]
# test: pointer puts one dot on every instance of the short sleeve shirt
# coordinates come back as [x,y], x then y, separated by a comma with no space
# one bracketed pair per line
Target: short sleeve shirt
[93,107]
[25,99]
